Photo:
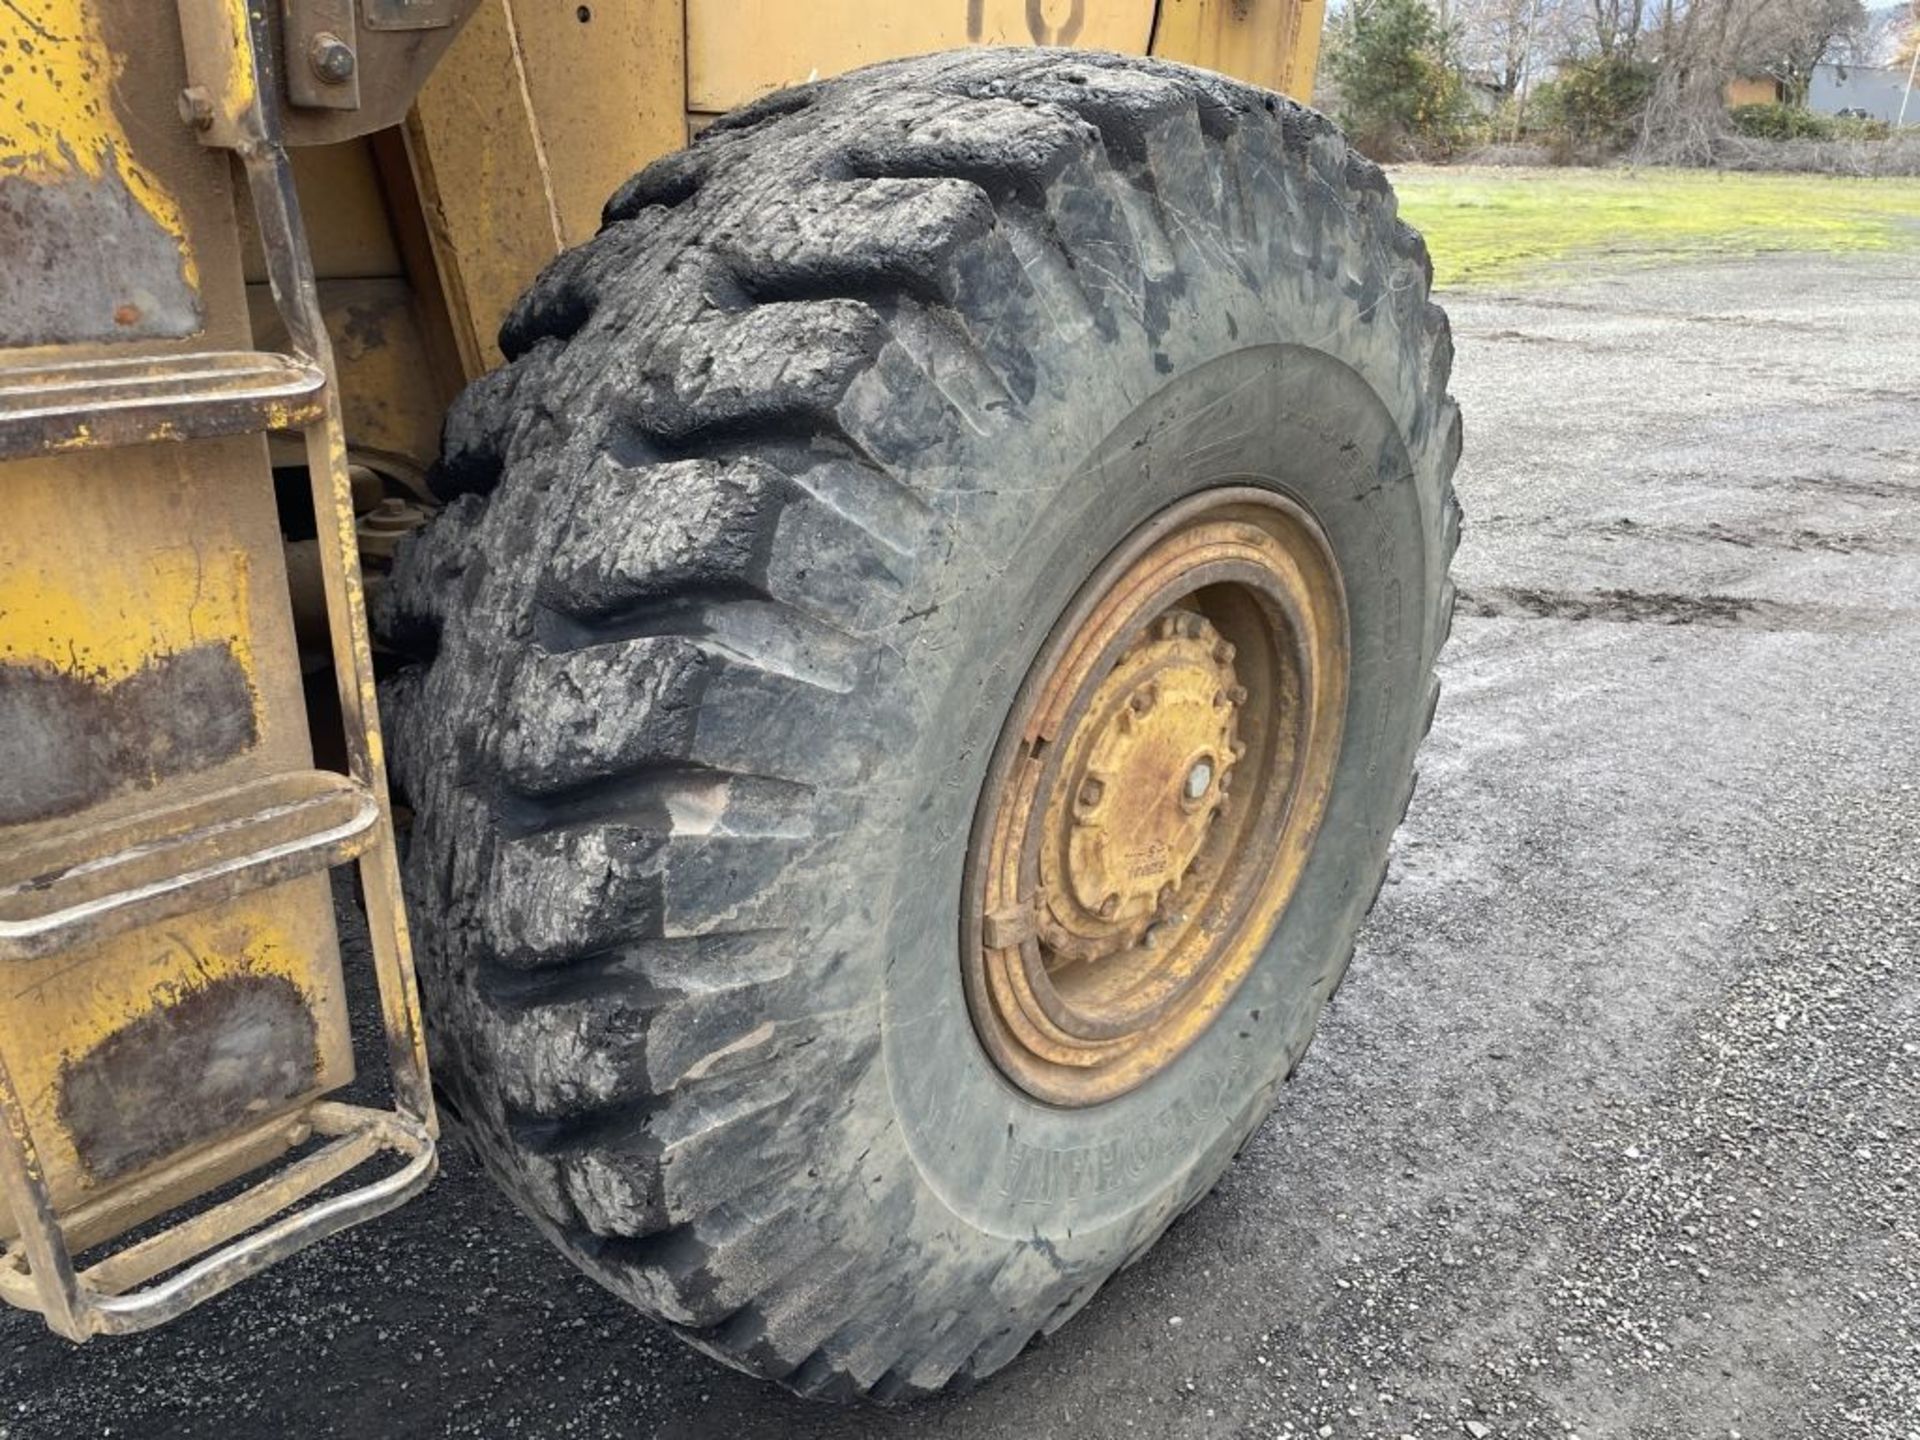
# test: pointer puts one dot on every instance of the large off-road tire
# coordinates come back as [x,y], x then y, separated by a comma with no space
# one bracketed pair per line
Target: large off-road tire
[750,546]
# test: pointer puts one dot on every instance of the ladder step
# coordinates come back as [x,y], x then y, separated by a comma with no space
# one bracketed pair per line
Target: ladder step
[82,888]
[93,404]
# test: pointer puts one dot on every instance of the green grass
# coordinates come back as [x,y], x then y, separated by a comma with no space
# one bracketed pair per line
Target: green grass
[1496,224]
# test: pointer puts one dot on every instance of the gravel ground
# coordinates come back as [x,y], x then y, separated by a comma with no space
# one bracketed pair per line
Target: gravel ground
[1613,1130]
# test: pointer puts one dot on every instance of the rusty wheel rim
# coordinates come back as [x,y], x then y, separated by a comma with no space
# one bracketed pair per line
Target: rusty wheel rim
[1154,795]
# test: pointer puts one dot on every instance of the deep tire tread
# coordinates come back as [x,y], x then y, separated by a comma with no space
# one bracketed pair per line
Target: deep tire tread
[685,361]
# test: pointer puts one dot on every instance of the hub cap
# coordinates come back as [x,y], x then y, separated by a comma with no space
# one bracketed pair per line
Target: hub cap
[1155,795]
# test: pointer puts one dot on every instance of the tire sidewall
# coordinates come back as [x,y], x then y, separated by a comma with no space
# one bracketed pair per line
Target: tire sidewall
[1007,1166]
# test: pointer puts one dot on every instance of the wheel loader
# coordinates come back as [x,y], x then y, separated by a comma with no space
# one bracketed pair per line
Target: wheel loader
[855,586]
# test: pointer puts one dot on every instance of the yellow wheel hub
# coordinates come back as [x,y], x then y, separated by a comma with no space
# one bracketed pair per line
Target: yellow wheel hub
[1155,795]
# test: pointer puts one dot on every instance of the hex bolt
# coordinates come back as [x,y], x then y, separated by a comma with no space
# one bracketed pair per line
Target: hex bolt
[1092,791]
[1237,694]
[1109,907]
[196,108]
[1224,652]
[1168,628]
[1199,779]
[331,58]
[1142,700]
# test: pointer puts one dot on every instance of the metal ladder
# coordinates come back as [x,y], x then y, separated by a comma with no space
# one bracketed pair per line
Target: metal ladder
[166,863]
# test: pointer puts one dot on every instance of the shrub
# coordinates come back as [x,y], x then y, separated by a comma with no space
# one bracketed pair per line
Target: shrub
[1779,122]
[1596,101]
[1397,88]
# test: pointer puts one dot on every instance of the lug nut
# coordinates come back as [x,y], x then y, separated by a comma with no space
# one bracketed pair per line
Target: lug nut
[1168,628]
[1091,791]
[1142,700]
[1192,625]
[331,58]
[1237,694]
[1224,652]
[1199,779]
[1109,907]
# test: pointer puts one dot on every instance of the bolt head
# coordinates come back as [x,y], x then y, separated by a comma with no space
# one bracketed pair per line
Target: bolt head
[1092,791]
[1237,694]
[1224,652]
[196,107]
[331,57]
[1109,907]
[1142,700]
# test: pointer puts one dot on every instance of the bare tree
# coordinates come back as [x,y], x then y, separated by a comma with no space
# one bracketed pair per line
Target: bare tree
[1792,40]
[1701,45]
[1617,26]
[1507,41]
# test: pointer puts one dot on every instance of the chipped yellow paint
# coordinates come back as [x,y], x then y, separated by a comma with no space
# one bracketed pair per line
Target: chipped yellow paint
[104,622]
[56,1010]
[238,92]
[59,118]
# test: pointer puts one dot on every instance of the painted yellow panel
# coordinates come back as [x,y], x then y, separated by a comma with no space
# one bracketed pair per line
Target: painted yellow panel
[1275,43]
[531,120]
[738,50]
[177,1034]
[105,622]
[59,116]
[147,657]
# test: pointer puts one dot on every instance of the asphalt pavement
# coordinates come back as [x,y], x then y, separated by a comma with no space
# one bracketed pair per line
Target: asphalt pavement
[1613,1130]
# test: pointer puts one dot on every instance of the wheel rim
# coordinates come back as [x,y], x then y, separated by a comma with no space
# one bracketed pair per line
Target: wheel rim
[1154,795]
